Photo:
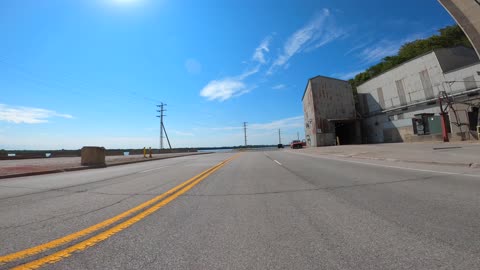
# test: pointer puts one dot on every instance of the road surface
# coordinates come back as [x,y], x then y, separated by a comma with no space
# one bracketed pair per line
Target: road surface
[254,210]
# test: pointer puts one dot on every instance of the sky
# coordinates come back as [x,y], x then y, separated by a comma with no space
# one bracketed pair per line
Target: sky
[91,72]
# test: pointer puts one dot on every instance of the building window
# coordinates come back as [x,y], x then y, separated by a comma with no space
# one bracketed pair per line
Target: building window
[470,83]
[381,100]
[401,92]
[427,84]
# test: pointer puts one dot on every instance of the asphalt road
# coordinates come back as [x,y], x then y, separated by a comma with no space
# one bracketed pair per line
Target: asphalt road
[258,210]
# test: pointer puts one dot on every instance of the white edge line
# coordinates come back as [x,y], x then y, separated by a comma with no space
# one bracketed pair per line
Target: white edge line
[155,169]
[278,162]
[389,166]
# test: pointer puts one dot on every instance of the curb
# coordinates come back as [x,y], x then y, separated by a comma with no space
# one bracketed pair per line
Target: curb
[467,165]
[153,159]
[72,169]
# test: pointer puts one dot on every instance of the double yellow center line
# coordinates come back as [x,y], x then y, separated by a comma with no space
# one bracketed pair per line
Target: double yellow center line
[157,202]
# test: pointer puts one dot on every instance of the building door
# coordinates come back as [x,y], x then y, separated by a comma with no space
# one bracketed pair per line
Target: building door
[401,92]
[381,99]
[427,85]
[473,118]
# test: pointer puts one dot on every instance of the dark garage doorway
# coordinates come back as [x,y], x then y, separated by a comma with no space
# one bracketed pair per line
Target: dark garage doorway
[345,130]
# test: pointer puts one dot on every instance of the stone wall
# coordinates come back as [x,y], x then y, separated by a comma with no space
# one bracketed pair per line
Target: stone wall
[326,139]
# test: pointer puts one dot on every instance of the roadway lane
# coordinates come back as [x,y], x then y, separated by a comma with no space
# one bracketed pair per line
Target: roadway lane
[36,209]
[273,210]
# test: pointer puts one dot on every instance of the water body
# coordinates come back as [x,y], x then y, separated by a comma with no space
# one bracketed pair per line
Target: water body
[239,149]
[217,150]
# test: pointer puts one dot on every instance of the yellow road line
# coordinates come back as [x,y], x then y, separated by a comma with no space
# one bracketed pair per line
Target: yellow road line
[67,252]
[71,237]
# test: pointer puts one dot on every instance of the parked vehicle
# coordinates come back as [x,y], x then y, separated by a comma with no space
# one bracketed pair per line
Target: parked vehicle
[297,144]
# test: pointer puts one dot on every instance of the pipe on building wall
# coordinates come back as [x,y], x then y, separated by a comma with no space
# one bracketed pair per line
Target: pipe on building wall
[425,102]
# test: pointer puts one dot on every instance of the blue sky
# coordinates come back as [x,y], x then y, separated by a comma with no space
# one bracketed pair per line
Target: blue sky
[75,73]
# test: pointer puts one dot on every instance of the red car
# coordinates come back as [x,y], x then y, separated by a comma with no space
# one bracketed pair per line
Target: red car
[296,144]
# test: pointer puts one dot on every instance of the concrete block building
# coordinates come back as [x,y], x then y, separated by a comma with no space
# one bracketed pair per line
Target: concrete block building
[402,104]
[329,112]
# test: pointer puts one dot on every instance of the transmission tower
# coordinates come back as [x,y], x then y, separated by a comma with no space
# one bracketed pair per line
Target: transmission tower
[162,126]
[245,132]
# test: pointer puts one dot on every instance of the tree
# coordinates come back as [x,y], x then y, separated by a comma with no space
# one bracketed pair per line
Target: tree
[448,37]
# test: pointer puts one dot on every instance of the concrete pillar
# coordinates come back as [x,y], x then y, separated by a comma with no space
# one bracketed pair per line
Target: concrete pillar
[467,15]
[93,156]
[459,122]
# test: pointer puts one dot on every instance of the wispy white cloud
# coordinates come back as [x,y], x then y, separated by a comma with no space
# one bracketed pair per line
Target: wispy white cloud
[347,75]
[387,47]
[258,133]
[229,87]
[357,47]
[247,73]
[381,50]
[183,133]
[75,141]
[224,89]
[259,54]
[279,86]
[227,128]
[315,34]
[28,115]
[286,123]
[329,35]
[291,122]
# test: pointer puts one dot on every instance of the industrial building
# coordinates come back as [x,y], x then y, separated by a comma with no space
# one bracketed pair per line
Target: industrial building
[403,104]
[329,113]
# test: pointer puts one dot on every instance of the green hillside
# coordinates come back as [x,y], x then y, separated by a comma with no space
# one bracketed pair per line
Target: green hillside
[450,36]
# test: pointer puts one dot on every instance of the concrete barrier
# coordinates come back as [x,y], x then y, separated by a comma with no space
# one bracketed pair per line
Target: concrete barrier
[93,156]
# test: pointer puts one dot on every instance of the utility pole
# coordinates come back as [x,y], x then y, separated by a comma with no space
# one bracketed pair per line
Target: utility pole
[279,137]
[245,132]
[161,111]
[298,136]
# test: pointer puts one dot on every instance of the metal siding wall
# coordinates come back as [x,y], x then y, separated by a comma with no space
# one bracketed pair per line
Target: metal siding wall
[470,83]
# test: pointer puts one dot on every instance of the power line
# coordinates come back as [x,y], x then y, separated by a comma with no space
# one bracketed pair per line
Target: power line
[81,88]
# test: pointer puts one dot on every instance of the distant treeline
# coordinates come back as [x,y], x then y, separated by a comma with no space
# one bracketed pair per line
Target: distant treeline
[235,147]
[25,154]
[448,37]
[21,154]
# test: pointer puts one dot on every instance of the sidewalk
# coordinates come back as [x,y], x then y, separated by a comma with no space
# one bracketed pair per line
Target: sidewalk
[26,167]
[465,154]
